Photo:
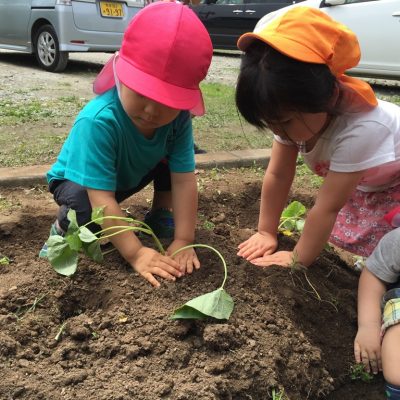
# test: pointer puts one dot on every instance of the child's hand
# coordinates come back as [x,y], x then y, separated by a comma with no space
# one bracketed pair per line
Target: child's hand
[149,262]
[282,258]
[258,245]
[367,348]
[187,259]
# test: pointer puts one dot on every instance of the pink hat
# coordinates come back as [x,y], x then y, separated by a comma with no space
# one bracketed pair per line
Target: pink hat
[165,54]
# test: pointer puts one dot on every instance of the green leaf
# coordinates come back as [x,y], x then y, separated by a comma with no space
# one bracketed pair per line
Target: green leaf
[86,235]
[73,223]
[98,212]
[93,251]
[73,240]
[217,304]
[289,224]
[294,209]
[186,312]
[63,259]
[4,260]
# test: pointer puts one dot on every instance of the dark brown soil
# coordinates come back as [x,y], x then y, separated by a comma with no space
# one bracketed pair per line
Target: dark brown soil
[289,330]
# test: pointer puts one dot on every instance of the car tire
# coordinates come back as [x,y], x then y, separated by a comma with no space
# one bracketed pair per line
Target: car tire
[47,50]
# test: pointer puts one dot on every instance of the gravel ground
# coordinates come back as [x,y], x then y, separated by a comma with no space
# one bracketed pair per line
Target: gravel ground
[20,71]
[21,78]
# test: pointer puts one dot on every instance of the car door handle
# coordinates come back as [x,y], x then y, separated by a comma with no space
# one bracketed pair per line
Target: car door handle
[250,11]
[237,11]
[396,14]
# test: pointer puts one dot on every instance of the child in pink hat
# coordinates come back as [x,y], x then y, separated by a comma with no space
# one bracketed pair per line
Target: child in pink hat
[137,130]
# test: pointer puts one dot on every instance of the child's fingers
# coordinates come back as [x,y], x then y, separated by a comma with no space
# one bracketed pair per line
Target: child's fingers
[376,362]
[373,362]
[249,252]
[153,281]
[380,368]
[243,244]
[165,273]
[365,360]
[357,352]
[196,263]
[189,266]
[169,264]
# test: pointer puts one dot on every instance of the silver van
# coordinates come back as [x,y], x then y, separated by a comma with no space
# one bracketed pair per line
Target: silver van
[52,28]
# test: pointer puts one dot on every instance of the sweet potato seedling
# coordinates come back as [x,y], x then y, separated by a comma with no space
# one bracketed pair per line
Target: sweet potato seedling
[292,218]
[216,304]
[358,372]
[63,253]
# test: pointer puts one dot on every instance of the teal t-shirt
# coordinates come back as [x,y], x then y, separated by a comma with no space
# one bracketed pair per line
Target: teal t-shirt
[105,151]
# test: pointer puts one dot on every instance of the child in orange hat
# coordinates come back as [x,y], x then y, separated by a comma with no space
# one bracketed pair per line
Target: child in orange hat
[292,81]
[138,130]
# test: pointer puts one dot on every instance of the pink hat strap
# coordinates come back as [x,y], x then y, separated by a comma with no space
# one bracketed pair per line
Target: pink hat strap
[105,80]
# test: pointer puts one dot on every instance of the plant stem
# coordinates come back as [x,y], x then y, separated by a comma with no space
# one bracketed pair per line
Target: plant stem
[124,228]
[210,248]
[284,220]
[60,331]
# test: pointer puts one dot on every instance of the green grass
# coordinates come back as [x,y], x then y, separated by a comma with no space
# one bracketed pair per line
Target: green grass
[222,128]
[32,130]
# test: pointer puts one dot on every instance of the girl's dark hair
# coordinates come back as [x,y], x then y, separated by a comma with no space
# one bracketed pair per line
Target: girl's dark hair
[270,84]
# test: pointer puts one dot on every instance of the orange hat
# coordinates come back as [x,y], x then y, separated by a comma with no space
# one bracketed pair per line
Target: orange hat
[307,34]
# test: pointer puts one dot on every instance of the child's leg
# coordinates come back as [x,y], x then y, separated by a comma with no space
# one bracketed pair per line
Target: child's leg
[160,218]
[69,195]
[391,343]
[162,187]
[391,356]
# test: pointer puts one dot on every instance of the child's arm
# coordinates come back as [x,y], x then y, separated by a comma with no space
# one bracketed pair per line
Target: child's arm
[367,344]
[146,261]
[332,196]
[184,205]
[277,181]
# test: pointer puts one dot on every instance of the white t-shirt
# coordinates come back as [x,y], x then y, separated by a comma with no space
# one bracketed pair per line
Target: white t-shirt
[368,140]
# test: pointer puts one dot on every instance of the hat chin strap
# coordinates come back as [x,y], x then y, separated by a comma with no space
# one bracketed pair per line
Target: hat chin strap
[116,80]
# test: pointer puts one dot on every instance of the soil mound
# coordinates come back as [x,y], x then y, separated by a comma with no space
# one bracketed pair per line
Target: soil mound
[291,330]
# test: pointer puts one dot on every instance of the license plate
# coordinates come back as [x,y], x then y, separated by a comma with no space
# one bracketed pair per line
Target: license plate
[111,10]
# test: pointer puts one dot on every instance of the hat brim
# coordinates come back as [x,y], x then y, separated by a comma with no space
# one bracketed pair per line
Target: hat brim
[149,86]
[284,45]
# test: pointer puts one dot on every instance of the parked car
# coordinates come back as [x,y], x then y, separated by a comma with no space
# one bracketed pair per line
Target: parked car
[377,26]
[226,20]
[52,28]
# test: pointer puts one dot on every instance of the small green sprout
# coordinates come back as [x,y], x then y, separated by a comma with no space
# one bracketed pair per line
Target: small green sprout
[4,260]
[292,218]
[60,331]
[278,395]
[22,311]
[358,372]
[208,225]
